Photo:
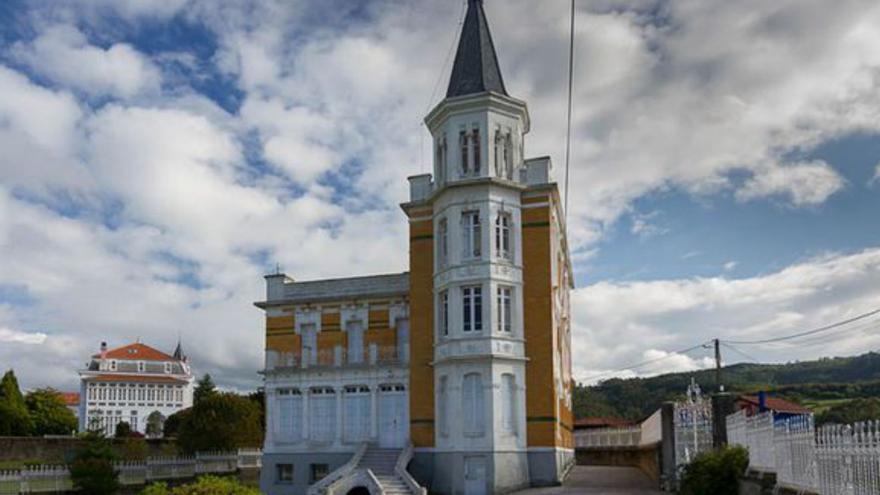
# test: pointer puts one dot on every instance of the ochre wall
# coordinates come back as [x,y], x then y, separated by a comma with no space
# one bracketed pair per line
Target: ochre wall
[421,378]
[541,405]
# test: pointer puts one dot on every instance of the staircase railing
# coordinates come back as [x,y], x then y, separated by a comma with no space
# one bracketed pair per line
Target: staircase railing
[400,469]
[339,474]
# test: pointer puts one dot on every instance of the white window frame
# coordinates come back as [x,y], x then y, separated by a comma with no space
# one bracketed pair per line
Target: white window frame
[504,235]
[471,234]
[472,308]
[443,242]
[504,303]
[443,315]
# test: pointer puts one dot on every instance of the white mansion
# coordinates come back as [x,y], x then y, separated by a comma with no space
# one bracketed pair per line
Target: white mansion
[129,384]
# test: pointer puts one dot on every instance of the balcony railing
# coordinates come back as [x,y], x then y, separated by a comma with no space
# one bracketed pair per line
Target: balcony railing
[336,357]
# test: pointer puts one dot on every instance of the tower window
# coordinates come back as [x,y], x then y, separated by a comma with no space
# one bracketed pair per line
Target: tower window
[471,234]
[463,143]
[475,142]
[499,159]
[504,313]
[508,156]
[442,242]
[472,309]
[472,404]
[444,313]
[502,236]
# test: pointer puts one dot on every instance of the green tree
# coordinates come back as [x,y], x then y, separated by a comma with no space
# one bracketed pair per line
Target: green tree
[171,428]
[850,412]
[212,485]
[716,472]
[15,420]
[49,413]
[204,388]
[223,421]
[154,424]
[92,469]
[123,430]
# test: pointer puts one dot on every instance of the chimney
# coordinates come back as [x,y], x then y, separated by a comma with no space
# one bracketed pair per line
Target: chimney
[103,350]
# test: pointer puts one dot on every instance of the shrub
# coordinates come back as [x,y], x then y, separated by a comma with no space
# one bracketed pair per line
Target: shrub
[15,420]
[715,472]
[49,413]
[92,468]
[206,485]
[123,430]
[133,449]
[221,421]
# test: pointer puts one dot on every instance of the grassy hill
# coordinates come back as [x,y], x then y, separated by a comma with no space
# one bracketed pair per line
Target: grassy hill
[817,384]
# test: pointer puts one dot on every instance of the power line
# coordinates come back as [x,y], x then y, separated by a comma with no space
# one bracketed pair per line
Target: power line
[826,337]
[636,366]
[568,128]
[809,332]
[455,35]
[741,353]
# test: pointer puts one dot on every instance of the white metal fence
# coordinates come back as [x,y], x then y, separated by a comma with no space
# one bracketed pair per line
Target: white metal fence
[693,426]
[832,460]
[630,436]
[56,479]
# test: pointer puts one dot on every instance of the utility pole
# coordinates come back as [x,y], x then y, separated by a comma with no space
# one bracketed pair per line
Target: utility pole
[718,365]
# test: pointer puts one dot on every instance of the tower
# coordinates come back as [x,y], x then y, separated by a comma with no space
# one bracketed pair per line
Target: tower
[489,278]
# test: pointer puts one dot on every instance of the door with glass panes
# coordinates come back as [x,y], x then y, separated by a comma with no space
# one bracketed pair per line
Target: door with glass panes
[392,416]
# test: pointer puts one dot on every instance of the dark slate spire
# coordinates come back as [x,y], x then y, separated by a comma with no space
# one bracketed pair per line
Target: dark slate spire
[476,65]
[178,352]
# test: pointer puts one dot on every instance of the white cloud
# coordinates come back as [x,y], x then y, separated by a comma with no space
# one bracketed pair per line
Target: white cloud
[63,54]
[730,265]
[805,184]
[11,336]
[615,321]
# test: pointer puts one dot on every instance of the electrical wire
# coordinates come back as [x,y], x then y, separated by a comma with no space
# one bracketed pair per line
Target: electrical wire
[741,353]
[455,36]
[568,117]
[642,364]
[809,332]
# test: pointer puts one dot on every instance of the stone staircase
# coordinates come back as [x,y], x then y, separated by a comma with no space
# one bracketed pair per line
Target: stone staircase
[382,463]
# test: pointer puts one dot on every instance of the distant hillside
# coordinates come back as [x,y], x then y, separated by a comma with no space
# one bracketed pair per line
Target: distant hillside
[808,382]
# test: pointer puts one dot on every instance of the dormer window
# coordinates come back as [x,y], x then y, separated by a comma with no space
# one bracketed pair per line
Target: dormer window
[141,366]
[167,367]
[113,365]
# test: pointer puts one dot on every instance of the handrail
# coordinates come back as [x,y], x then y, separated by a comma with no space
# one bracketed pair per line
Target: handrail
[339,474]
[400,469]
[374,481]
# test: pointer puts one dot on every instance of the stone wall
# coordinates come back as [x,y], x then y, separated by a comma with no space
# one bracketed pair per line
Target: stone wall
[646,458]
[61,450]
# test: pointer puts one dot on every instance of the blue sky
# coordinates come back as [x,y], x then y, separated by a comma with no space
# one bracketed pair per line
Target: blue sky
[160,156]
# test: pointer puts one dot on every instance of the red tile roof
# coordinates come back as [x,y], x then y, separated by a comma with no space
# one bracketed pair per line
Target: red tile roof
[137,352]
[775,404]
[70,398]
[136,378]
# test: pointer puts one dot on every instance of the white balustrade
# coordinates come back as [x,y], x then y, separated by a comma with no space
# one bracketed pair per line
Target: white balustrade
[835,459]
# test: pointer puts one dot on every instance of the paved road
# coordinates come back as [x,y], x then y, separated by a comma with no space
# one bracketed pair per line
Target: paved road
[600,479]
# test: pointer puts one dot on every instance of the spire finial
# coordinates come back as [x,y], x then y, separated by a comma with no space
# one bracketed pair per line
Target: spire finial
[475,69]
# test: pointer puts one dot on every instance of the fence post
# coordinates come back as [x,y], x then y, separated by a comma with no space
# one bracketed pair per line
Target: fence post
[723,404]
[667,449]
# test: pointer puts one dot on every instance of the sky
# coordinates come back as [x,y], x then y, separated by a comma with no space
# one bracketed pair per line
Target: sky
[158,157]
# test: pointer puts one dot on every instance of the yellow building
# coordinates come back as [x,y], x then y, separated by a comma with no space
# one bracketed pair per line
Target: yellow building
[460,368]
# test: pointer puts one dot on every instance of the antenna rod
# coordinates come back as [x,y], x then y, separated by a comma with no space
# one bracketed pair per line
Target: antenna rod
[718,366]
[568,130]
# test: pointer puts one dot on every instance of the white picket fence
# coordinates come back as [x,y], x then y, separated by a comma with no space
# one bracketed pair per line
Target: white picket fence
[832,460]
[56,479]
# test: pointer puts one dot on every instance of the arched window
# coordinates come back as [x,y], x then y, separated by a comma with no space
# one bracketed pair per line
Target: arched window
[472,404]
[443,406]
[508,402]
[475,143]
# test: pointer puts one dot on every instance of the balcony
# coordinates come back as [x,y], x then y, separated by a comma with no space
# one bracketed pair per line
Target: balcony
[337,357]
